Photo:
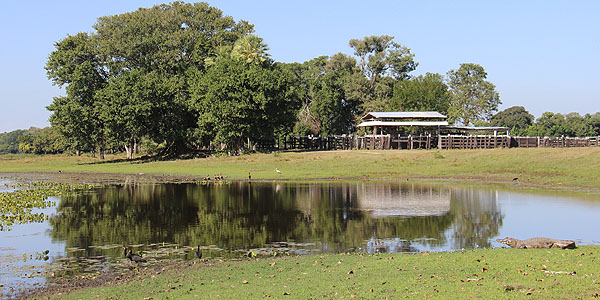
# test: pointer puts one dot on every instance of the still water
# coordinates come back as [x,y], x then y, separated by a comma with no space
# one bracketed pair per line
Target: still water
[86,231]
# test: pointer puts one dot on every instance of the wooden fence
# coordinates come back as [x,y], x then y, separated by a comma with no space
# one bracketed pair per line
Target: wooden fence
[344,142]
[555,142]
[473,141]
[302,142]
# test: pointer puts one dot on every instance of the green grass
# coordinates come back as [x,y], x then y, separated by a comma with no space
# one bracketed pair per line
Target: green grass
[481,273]
[541,166]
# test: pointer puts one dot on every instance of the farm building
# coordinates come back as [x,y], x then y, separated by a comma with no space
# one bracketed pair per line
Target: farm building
[394,122]
[429,121]
[425,129]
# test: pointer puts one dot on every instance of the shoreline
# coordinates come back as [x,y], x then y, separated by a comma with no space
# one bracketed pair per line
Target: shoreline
[143,178]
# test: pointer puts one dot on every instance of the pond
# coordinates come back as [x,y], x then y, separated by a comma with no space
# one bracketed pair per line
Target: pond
[87,230]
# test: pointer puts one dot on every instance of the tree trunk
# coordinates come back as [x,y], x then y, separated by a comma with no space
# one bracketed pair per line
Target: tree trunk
[135,146]
[102,149]
[372,84]
[129,151]
[130,148]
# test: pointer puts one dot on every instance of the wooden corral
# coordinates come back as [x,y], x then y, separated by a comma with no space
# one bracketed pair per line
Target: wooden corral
[419,130]
[555,142]
[473,141]
[525,141]
[430,141]
[564,142]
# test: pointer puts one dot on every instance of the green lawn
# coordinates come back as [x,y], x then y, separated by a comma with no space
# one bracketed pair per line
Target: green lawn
[577,167]
[483,273]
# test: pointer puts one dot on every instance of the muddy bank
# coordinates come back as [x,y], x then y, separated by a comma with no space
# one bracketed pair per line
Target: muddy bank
[141,178]
[65,285]
[100,178]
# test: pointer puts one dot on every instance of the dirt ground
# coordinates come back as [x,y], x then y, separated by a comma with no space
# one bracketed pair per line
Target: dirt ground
[115,277]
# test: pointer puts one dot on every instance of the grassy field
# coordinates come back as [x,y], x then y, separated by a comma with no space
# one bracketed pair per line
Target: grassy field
[483,273]
[576,167]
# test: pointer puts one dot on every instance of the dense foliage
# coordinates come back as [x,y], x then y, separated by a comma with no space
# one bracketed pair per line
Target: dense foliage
[9,141]
[182,77]
[474,99]
[549,124]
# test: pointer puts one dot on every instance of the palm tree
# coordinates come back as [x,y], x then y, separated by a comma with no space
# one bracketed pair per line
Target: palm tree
[251,48]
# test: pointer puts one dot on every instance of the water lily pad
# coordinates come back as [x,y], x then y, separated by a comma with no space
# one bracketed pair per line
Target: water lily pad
[75,249]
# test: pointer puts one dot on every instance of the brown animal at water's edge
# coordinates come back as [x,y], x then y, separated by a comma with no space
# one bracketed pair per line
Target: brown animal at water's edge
[538,242]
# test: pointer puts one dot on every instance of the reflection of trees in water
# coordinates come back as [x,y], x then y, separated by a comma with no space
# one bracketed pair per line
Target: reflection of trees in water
[240,216]
[477,217]
[128,214]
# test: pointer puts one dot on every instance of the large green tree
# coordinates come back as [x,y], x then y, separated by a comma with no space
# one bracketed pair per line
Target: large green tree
[548,124]
[169,38]
[237,100]
[132,106]
[517,118]
[594,122]
[571,124]
[143,60]
[42,141]
[474,99]
[329,88]
[423,93]
[164,43]
[382,61]
[76,66]
[9,142]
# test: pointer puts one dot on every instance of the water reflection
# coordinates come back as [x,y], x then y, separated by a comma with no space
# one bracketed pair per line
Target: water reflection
[477,217]
[384,199]
[87,230]
[335,216]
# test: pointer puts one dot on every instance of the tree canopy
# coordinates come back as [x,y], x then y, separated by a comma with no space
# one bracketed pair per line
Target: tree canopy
[383,62]
[422,93]
[184,77]
[130,77]
[474,99]
[237,99]
[517,118]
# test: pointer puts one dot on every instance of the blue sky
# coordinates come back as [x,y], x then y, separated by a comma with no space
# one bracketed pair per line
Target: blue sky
[543,55]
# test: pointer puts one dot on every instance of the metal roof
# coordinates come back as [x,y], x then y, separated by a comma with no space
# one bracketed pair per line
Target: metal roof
[403,123]
[404,115]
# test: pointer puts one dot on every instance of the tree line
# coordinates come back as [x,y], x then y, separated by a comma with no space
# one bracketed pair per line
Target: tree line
[186,77]
[181,77]
[48,141]
[522,123]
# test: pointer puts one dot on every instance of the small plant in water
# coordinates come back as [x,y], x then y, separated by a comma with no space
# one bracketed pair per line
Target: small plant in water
[16,207]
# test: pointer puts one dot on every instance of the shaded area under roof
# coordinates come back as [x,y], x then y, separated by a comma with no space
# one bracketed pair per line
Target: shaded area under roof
[472,128]
[403,123]
[404,115]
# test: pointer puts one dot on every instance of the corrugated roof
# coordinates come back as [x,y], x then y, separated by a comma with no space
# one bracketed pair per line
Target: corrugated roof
[403,123]
[404,115]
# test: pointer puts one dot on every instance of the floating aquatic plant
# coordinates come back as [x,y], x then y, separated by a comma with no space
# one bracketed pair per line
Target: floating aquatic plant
[17,206]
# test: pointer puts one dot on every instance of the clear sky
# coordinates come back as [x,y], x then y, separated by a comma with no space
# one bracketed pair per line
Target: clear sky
[543,55]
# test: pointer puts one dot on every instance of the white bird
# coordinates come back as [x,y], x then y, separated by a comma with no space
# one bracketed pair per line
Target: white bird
[277,170]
